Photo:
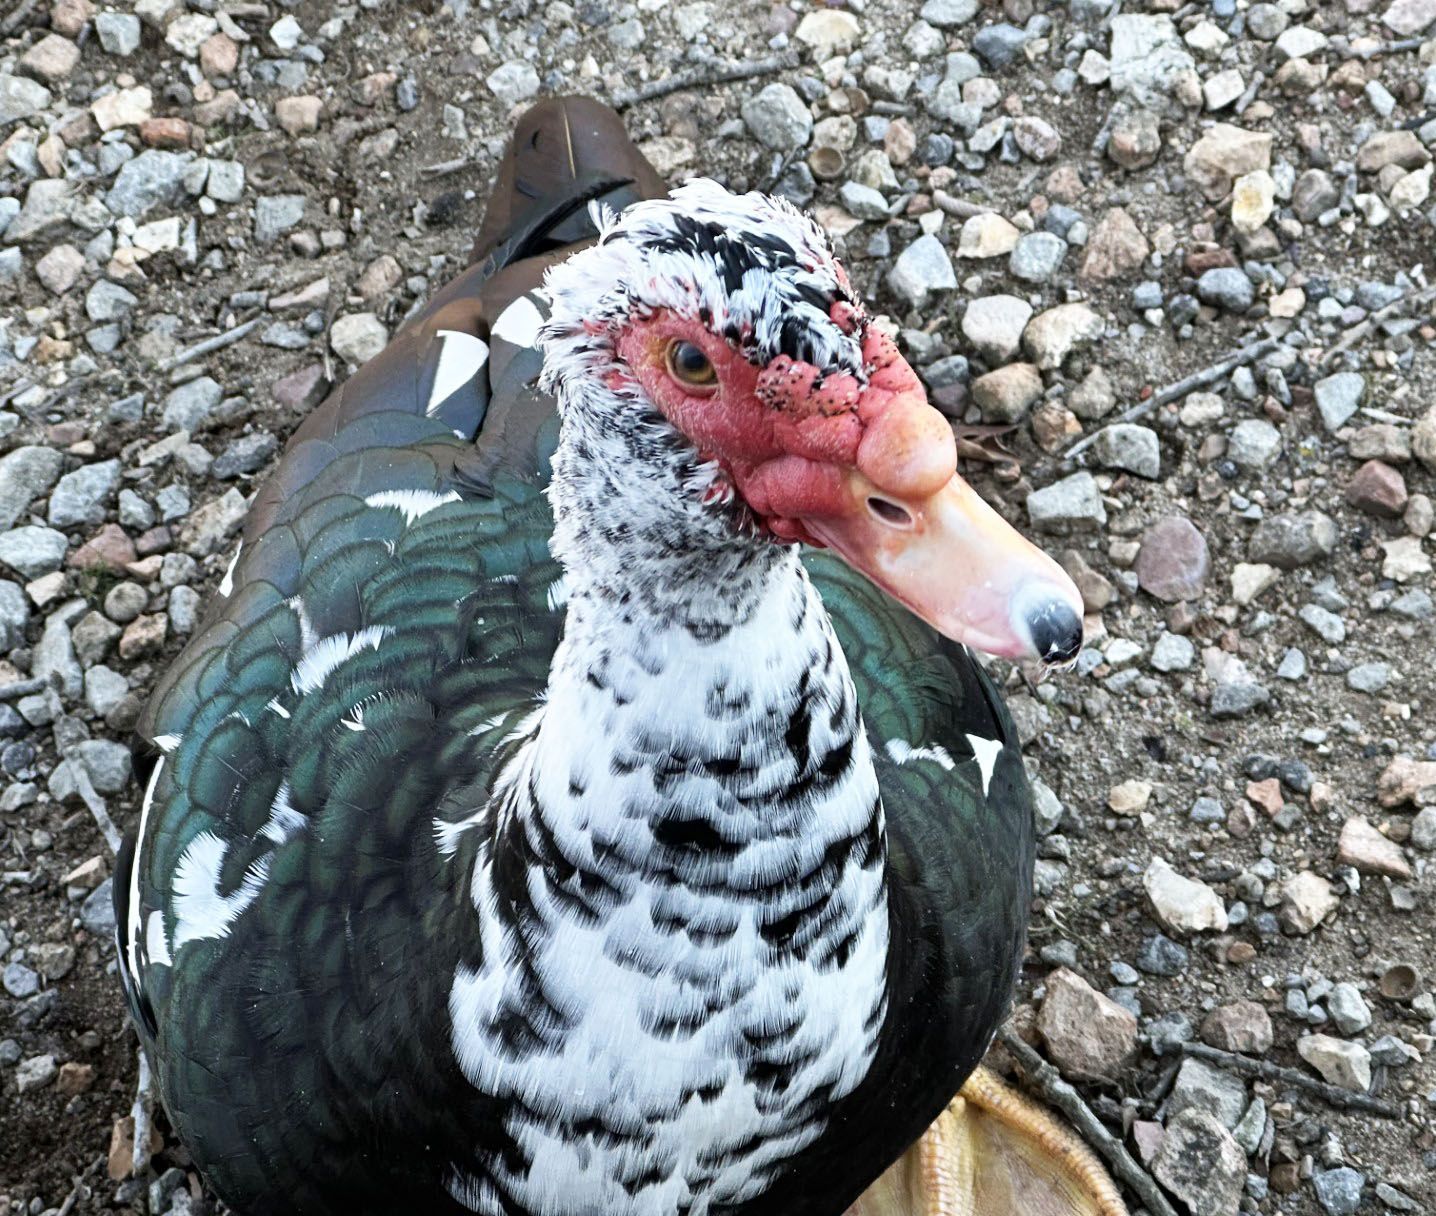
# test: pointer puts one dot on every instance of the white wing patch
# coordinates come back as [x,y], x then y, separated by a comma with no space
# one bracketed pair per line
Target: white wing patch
[413,503]
[461,358]
[157,949]
[985,752]
[519,323]
[903,752]
[132,929]
[166,744]
[284,821]
[200,911]
[226,584]
[327,653]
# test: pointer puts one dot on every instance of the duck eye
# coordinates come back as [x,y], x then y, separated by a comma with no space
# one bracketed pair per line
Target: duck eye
[689,365]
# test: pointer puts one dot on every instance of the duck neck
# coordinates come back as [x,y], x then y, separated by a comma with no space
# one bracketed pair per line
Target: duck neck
[718,745]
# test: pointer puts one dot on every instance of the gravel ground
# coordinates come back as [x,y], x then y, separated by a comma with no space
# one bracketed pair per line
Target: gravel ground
[210,211]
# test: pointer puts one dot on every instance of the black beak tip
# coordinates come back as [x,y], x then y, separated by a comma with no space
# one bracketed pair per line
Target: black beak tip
[1056,631]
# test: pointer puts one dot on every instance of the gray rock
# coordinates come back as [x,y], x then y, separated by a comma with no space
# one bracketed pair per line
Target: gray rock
[358,337]
[21,98]
[104,689]
[190,406]
[20,981]
[1125,445]
[276,214]
[1237,698]
[778,118]
[1289,541]
[54,657]
[1266,21]
[1202,1086]
[921,268]
[173,503]
[119,33]
[134,511]
[36,1072]
[106,762]
[1369,678]
[947,13]
[97,913]
[994,324]
[33,551]
[1201,1163]
[152,179]
[1348,1008]
[106,301]
[1323,622]
[1037,256]
[1338,397]
[225,183]
[863,202]
[1227,288]
[1254,443]
[1339,1190]
[14,615]
[25,474]
[49,202]
[998,45]
[184,604]
[1313,194]
[246,454]
[1074,503]
[1148,59]
[80,497]
[1423,829]
[513,82]
[1173,652]
[1397,1201]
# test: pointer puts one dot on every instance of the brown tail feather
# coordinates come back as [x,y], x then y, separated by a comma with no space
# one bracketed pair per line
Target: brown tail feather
[559,145]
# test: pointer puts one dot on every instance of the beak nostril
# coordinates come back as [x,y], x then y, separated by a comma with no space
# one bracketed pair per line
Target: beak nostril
[885,511]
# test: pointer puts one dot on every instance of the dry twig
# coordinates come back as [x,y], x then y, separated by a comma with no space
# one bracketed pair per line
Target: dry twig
[1247,1067]
[228,338]
[1188,384]
[142,1113]
[1359,331]
[701,77]
[1052,1089]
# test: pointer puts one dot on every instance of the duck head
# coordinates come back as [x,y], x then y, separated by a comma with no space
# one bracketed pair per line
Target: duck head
[724,395]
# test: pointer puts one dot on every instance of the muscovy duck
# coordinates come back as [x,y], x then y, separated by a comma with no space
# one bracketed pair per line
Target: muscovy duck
[529,828]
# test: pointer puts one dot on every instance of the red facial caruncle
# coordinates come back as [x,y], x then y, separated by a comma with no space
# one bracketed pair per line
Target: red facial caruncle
[862,465]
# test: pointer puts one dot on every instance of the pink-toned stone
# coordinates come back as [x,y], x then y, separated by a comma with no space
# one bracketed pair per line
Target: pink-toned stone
[1267,795]
[301,389]
[110,547]
[1406,780]
[69,17]
[218,55]
[1087,1034]
[1242,1026]
[173,133]
[1367,850]
[143,636]
[1377,489]
[52,59]
[1116,249]
[298,115]
[1173,561]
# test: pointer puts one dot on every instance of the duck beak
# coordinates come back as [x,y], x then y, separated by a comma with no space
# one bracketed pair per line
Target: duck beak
[901,515]
[956,563]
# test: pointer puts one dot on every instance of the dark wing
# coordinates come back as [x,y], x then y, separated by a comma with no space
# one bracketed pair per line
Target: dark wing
[313,754]
[960,855]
